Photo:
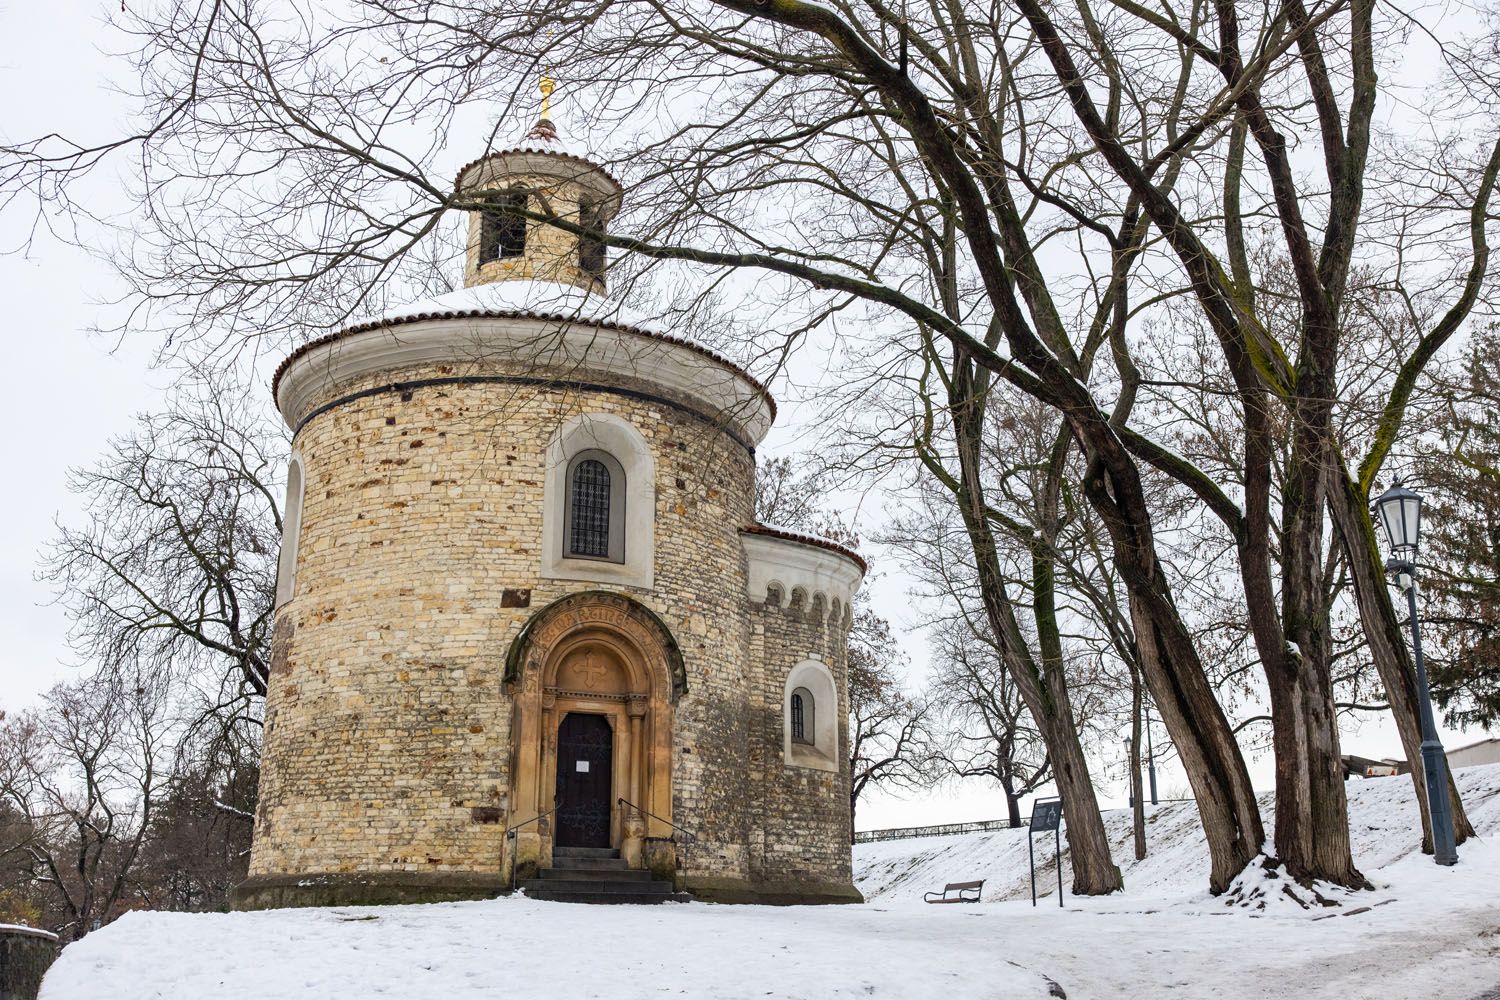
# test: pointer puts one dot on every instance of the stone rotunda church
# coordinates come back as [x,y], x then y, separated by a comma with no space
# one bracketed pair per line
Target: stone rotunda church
[528,631]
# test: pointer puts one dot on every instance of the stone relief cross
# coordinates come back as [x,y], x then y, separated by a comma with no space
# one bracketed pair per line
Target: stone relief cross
[591,670]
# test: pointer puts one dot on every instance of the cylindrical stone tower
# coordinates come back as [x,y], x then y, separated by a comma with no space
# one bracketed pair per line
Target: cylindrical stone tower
[524,602]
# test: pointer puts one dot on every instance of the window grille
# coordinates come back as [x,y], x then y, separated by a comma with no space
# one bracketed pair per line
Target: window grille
[590,510]
[502,228]
[799,727]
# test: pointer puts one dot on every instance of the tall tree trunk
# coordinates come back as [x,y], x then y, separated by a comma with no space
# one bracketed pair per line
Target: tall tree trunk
[1012,803]
[1174,675]
[1388,643]
[1296,651]
[1042,684]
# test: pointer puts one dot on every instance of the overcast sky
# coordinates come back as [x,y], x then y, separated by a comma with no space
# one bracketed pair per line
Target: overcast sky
[69,391]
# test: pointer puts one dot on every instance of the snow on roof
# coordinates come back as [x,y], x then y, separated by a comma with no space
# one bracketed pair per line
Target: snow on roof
[542,138]
[807,537]
[530,298]
[23,929]
[549,299]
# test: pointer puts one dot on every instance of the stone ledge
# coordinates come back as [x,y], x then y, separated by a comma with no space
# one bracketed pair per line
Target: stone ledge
[267,892]
[25,955]
[792,892]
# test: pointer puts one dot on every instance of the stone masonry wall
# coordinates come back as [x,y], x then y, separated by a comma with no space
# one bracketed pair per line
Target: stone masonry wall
[551,253]
[387,732]
[806,832]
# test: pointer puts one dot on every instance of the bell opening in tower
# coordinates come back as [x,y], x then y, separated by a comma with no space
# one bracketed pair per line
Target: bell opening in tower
[502,227]
[591,244]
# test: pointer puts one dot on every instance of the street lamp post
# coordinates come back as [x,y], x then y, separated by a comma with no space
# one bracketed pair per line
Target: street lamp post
[1150,756]
[1400,512]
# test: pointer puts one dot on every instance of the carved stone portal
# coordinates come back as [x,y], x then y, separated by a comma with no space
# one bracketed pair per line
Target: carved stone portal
[603,655]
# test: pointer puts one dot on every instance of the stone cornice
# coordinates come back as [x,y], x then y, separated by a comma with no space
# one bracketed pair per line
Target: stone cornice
[541,345]
[792,562]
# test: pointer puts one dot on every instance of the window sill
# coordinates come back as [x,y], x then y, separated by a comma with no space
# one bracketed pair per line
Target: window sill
[597,571]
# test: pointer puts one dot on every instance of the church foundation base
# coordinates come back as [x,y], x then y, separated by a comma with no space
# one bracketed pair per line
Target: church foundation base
[793,892]
[267,892]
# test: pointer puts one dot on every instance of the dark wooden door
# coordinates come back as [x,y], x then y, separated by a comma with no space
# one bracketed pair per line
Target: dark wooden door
[585,767]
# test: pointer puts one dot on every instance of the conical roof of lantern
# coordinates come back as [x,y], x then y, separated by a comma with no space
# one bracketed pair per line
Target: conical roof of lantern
[542,151]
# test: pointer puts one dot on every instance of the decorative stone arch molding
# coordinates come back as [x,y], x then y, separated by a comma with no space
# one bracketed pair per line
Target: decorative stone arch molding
[291,530]
[806,575]
[618,611]
[619,439]
[605,655]
[822,752]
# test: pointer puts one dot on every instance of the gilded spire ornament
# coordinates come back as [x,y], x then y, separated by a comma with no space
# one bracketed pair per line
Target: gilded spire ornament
[546,86]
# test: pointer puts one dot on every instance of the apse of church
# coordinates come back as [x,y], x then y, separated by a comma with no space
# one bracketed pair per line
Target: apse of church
[527,626]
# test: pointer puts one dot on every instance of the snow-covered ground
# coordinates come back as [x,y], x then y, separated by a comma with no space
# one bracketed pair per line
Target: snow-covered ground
[1424,932]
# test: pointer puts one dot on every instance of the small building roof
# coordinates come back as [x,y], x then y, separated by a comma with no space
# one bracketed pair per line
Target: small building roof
[808,538]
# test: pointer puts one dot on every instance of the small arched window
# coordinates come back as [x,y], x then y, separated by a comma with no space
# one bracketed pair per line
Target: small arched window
[810,738]
[803,720]
[591,244]
[595,522]
[502,227]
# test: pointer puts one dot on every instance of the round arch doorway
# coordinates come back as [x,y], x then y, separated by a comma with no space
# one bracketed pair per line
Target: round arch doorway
[593,679]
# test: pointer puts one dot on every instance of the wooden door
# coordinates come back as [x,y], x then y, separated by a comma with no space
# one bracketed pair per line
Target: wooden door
[585,786]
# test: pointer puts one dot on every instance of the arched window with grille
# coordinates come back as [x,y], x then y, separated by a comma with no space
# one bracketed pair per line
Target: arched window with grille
[803,708]
[595,508]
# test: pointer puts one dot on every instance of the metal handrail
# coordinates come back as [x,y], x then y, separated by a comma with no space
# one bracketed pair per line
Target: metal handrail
[690,837]
[510,836]
[626,802]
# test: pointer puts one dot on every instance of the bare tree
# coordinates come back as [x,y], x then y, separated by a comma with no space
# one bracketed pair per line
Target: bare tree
[989,733]
[86,771]
[889,741]
[174,569]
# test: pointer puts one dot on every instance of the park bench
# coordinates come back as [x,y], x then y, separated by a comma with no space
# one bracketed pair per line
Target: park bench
[960,890]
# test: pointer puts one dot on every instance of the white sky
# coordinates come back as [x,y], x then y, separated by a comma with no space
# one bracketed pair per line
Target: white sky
[70,391]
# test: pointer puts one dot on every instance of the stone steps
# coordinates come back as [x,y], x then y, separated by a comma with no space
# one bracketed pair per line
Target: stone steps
[596,875]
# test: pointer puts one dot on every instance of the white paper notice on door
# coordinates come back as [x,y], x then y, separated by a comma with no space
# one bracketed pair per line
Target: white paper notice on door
[581,766]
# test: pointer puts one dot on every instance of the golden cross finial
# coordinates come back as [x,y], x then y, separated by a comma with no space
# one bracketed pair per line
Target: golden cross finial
[546,87]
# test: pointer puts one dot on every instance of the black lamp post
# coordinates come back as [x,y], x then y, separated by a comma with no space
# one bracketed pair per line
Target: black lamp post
[1400,512]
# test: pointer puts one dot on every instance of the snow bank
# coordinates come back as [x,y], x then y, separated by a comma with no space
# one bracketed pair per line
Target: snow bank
[1383,820]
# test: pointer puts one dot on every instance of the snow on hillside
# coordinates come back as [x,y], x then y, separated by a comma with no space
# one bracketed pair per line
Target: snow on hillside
[526,948]
[1383,820]
[1424,932]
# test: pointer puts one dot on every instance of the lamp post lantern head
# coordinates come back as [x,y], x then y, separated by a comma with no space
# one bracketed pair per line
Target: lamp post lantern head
[1400,512]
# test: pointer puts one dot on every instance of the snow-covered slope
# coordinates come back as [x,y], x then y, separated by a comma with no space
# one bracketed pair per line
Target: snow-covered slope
[524,948]
[1424,932]
[1383,820]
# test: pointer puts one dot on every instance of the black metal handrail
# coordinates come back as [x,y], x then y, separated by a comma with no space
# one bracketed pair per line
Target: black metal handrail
[510,836]
[688,835]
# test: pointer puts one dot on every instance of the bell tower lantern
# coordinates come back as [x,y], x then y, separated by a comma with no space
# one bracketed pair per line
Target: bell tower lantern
[541,175]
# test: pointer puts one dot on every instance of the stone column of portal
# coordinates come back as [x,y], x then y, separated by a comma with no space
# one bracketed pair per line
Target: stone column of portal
[635,825]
